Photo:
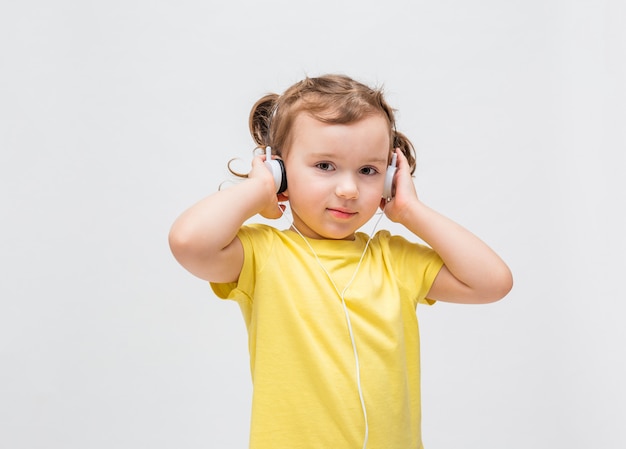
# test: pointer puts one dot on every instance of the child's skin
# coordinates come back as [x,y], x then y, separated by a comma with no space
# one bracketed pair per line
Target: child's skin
[335,177]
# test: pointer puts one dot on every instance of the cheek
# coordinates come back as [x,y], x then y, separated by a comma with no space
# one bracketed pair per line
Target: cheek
[301,180]
[373,190]
[300,189]
[296,187]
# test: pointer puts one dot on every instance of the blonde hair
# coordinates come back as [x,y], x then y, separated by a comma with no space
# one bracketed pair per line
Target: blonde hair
[336,99]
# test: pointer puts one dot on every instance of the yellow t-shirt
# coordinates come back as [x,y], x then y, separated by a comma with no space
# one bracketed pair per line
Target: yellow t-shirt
[302,362]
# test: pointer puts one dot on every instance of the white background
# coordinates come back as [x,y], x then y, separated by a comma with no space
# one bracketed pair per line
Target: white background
[116,116]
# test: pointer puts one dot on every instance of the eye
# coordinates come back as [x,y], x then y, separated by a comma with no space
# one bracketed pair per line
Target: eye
[325,166]
[368,171]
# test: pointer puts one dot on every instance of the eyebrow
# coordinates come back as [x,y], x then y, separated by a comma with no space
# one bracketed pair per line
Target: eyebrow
[374,160]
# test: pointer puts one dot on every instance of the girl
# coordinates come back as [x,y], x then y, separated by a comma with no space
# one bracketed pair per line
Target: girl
[330,311]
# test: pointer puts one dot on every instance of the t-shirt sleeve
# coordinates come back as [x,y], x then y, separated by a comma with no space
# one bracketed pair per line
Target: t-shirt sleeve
[253,239]
[416,267]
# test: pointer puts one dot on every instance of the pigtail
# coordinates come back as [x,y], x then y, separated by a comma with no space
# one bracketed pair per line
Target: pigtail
[259,123]
[401,141]
[260,119]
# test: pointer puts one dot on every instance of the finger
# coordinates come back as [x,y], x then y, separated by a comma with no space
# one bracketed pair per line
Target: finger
[259,158]
[401,157]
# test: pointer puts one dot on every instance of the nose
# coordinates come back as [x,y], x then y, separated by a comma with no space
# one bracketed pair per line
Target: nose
[347,187]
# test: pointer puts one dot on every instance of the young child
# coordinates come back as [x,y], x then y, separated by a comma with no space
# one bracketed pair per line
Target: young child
[331,311]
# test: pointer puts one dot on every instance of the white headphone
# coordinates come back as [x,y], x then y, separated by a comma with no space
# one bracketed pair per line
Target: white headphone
[277,169]
[391,172]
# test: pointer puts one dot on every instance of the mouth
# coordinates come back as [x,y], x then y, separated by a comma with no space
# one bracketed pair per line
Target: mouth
[340,213]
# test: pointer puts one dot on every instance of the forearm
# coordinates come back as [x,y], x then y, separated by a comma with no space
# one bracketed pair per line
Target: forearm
[209,226]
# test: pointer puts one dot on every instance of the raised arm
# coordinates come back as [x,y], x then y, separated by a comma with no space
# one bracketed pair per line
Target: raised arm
[472,273]
[204,238]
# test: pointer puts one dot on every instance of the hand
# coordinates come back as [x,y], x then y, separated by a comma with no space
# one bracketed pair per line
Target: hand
[405,195]
[272,208]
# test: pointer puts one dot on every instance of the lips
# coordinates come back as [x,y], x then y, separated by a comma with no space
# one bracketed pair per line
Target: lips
[341,213]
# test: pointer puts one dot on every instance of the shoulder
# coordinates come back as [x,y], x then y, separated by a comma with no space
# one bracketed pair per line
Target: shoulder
[405,254]
[398,243]
[258,238]
[257,231]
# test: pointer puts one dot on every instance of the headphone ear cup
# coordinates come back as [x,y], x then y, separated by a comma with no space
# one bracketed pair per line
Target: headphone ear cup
[282,186]
[389,175]
[277,169]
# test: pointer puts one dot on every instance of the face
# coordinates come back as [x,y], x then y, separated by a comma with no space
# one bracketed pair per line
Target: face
[336,174]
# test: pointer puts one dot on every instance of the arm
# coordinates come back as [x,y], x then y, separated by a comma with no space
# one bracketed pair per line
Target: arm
[204,238]
[472,273]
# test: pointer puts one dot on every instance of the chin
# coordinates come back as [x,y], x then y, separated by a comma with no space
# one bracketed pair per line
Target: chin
[337,235]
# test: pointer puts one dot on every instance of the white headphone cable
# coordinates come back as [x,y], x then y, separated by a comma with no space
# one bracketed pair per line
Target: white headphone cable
[346,312]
